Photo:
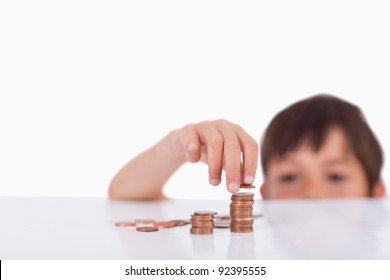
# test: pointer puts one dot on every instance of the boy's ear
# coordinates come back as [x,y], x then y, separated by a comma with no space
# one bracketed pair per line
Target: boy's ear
[263,190]
[378,189]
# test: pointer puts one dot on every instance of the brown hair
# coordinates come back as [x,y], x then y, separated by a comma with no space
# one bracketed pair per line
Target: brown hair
[311,119]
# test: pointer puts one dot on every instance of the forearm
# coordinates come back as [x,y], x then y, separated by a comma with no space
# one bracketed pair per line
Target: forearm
[145,175]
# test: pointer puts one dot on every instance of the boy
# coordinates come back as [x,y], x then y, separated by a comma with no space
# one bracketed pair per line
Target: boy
[320,147]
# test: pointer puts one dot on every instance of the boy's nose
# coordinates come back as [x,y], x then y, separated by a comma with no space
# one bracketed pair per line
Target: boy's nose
[312,190]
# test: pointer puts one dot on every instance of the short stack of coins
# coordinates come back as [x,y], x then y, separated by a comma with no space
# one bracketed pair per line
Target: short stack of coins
[202,222]
[241,212]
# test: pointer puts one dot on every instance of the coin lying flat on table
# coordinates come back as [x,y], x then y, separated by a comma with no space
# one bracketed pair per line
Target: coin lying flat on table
[144,221]
[165,224]
[147,229]
[125,224]
[182,222]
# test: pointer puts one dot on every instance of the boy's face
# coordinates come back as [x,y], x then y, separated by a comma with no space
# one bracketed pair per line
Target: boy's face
[332,172]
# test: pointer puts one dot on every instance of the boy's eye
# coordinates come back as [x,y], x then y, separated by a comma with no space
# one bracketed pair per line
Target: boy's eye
[336,178]
[288,178]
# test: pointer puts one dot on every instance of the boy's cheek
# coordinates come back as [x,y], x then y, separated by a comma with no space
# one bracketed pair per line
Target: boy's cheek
[262,191]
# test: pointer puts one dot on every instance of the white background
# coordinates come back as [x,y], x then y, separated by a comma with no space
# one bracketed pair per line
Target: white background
[87,85]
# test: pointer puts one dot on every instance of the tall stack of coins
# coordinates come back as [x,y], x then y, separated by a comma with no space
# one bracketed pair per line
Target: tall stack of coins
[241,212]
[202,222]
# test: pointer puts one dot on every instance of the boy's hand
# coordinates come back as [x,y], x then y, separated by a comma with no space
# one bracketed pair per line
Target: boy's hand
[219,144]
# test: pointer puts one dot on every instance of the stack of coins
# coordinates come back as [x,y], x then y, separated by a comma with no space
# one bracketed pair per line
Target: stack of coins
[202,222]
[241,212]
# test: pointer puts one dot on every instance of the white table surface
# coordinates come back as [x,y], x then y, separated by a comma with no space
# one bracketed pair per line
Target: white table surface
[83,228]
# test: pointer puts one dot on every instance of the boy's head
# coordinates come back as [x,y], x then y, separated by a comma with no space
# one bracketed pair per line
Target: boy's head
[320,147]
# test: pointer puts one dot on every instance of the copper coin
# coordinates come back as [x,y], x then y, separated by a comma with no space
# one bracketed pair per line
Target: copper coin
[205,213]
[201,231]
[242,202]
[247,230]
[237,214]
[202,225]
[240,207]
[242,199]
[201,218]
[147,229]
[241,224]
[243,194]
[241,210]
[144,221]
[165,224]
[125,224]
[247,186]
[181,222]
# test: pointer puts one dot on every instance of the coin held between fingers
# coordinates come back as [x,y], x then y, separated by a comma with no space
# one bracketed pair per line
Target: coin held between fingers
[247,186]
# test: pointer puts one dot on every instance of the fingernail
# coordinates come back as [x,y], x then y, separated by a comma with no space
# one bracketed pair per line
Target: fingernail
[215,182]
[248,180]
[233,187]
[191,147]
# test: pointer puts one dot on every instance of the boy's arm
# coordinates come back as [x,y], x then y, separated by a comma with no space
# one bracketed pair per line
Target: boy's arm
[144,176]
[220,144]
